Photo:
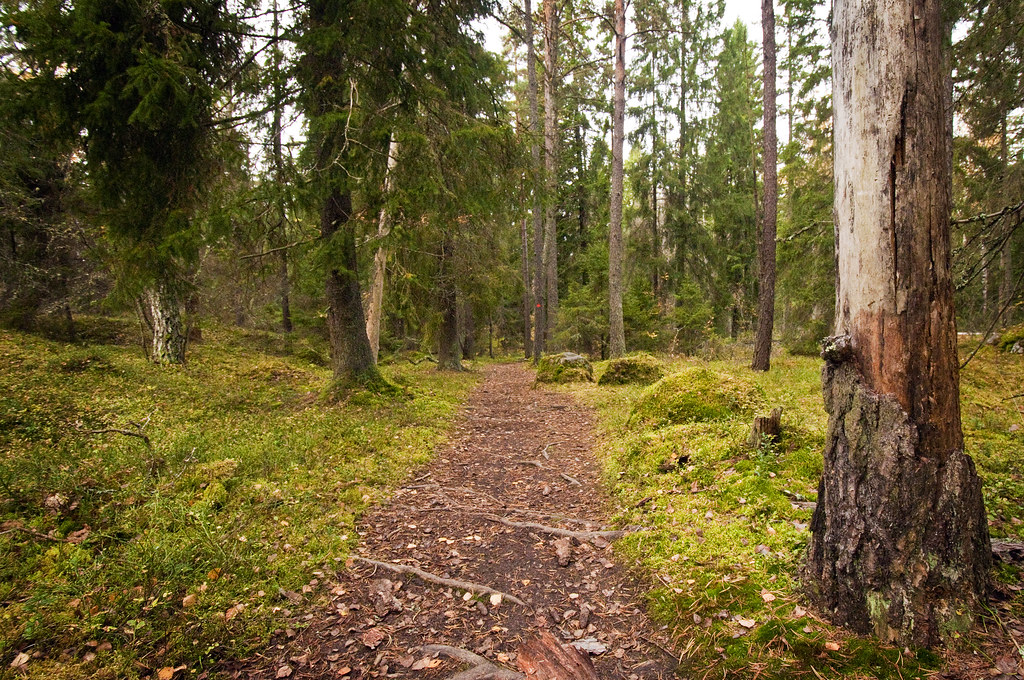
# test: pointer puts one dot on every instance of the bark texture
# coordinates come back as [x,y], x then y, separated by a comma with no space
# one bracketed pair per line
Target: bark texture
[539,310]
[449,352]
[163,308]
[551,29]
[351,358]
[616,331]
[900,542]
[766,247]
[375,305]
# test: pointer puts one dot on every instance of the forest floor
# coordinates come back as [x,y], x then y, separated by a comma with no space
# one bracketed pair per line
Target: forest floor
[519,464]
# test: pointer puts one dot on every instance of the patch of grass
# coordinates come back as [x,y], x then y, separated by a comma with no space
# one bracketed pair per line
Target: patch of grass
[177,552]
[729,523]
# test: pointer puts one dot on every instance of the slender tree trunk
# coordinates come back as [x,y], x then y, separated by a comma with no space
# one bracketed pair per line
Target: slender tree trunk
[449,353]
[375,306]
[766,247]
[900,542]
[283,282]
[1006,254]
[551,29]
[524,265]
[616,332]
[539,310]
[164,310]
[351,358]
[468,333]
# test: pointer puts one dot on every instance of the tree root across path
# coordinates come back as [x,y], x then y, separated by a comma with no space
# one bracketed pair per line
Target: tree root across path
[474,588]
[480,668]
[610,535]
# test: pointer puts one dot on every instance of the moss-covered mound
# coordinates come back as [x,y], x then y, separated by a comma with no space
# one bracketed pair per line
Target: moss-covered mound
[564,368]
[638,369]
[697,394]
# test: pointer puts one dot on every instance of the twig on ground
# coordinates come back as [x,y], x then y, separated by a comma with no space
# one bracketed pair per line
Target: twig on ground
[571,480]
[467,586]
[480,668]
[535,463]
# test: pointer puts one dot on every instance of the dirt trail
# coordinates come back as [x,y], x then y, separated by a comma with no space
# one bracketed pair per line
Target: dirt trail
[518,453]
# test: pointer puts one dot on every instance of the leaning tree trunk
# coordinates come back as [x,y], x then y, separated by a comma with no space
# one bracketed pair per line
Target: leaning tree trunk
[375,306]
[539,311]
[616,332]
[900,543]
[449,352]
[550,166]
[351,358]
[163,308]
[766,248]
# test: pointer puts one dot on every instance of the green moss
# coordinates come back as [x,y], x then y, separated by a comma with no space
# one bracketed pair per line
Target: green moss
[1012,340]
[636,369]
[697,394]
[564,368]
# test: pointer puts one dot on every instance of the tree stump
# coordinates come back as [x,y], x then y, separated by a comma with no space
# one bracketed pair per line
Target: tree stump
[544,658]
[767,427]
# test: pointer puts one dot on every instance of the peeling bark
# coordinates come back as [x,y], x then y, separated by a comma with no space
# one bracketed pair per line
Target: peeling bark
[374,308]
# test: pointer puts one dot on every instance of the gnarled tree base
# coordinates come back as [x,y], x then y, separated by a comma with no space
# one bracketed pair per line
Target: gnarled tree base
[900,544]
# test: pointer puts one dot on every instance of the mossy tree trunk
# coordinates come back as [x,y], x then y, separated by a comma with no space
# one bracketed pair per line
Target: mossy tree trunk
[449,353]
[351,358]
[899,542]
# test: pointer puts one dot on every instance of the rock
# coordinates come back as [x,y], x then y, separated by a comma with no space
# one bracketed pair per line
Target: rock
[564,368]
[637,369]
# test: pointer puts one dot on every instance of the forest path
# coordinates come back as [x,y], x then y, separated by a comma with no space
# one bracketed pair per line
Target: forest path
[521,454]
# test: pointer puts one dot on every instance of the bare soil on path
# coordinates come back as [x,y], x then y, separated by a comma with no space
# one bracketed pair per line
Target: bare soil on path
[520,461]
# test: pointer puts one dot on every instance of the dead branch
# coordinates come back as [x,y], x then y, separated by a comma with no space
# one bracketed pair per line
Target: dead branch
[474,588]
[556,531]
[126,433]
[535,463]
[571,480]
[480,668]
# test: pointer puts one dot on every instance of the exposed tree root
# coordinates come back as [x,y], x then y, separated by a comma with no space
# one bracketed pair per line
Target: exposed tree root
[480,668]
[475,588]
[571,480]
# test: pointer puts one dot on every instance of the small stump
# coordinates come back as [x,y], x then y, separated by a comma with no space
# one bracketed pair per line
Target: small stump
[766,428]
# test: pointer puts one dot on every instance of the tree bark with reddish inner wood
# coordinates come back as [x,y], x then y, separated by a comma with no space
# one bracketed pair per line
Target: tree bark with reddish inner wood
[766,247]
[900,544]
[616,330]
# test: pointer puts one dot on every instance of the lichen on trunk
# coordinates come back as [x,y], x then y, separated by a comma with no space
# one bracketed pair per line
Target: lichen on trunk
[899,539]
[163,311]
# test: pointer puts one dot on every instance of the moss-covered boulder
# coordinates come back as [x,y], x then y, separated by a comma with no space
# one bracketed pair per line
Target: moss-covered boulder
[566,367]
[697,394]
[636,369]
[1012,340]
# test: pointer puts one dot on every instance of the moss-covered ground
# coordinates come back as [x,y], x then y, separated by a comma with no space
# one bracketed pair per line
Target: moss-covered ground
[118,558]
[729,522]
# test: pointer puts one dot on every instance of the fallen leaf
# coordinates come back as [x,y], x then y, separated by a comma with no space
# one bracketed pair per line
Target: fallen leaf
[799,611]
[343,671]
[767,597]
[234,611]
[590,646]
[832,646]
[495,599]
[167,672]
[213,574]
[746,623]
[20,661]
[284,672]
[188,601]
[104,647]
[426,662]
[80,535]
[372,638]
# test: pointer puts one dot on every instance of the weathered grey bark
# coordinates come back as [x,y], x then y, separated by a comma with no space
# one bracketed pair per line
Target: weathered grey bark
[351,359]
[163,309]
[449,351]
[899,542]
[769,215]
[616,332]
[1006,282]
[539,310]
[524,266]
[375,305]
[283,282]
[551,28]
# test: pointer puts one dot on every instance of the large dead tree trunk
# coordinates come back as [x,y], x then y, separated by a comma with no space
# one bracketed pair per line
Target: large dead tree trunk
[900,542]
[766,247]
[351,359]
[539,309]
[550,165]
[616,332]
[375,306]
